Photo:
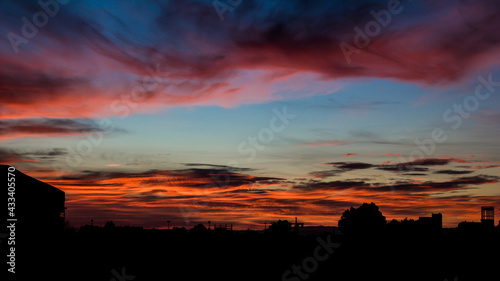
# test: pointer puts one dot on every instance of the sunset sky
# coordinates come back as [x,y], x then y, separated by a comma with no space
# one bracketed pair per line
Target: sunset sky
[248,111]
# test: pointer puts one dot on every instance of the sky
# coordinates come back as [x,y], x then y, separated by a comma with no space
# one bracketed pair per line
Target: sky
[244,112]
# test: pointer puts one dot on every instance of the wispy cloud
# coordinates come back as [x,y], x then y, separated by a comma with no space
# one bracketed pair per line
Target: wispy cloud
[19,128]
[322,143]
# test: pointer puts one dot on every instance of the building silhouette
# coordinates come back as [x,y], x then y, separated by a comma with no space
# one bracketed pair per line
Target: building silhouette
[487,221]
[224,227]
[38,217]
[488,215]
[433,222]
[39,206]
[432,225]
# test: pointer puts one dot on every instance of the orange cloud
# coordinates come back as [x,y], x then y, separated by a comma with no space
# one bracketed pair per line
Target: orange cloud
[349,154]
[188,196]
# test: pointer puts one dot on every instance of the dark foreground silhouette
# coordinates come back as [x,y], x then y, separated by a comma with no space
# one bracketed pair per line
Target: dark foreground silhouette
[369,248]
[396,252]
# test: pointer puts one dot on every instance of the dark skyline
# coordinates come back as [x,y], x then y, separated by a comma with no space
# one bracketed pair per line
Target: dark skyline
[284,250]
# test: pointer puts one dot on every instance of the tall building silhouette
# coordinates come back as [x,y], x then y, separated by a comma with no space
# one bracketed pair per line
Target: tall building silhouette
[487,221]
[488,215]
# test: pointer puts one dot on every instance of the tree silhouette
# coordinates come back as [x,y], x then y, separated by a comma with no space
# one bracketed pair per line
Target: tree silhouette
[199,228]
[363,221]
[179,230]
[109,225]
[280,227]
